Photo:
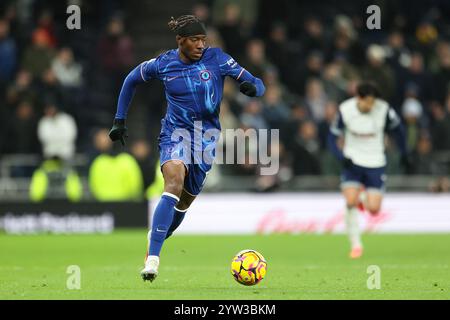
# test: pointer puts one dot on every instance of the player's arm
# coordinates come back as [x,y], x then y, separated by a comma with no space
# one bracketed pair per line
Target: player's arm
[140,74]
[249,84]
[336,131]
[395,127]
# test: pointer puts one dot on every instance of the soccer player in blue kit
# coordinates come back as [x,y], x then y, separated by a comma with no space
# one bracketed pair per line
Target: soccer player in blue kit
[193,77]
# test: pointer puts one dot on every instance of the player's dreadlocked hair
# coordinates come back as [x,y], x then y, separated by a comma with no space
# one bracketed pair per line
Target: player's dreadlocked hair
[186,25]
[180,22]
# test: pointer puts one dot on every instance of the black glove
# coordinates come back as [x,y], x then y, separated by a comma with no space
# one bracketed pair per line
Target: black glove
[119,131]
[347,163]
[248,88]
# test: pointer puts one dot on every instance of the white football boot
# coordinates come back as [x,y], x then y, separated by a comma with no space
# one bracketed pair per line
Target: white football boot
[151,263]
[150,270]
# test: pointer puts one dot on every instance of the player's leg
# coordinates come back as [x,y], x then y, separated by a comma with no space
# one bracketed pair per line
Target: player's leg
[375,189]
[180,211]
[193,185]
[351,194]
[374,199]
[174,172]
[351,187]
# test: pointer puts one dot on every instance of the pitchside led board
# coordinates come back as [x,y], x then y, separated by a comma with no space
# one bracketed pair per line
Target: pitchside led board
[61,217]
[299,213]
[234,214]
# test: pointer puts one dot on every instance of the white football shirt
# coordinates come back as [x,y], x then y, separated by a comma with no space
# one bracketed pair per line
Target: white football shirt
[364,132]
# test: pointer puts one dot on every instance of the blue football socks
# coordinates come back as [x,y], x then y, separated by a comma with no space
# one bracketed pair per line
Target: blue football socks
[162,220]
[177,219]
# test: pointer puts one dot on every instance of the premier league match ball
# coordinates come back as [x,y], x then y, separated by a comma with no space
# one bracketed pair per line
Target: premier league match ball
[248,267]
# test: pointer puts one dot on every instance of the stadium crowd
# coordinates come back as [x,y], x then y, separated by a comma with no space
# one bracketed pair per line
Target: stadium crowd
[58,89]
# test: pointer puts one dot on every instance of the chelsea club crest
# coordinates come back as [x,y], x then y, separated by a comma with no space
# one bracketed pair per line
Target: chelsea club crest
[205,75]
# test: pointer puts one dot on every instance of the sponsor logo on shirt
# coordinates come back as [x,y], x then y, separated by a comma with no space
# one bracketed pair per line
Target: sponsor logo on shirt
[232,63]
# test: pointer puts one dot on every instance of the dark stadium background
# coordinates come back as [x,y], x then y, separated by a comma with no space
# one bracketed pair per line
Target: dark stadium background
[309,53]
[58,97]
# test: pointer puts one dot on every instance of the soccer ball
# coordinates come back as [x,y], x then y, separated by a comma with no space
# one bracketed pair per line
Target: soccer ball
[248,267]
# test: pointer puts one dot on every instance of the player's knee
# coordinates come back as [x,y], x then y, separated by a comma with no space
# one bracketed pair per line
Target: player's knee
[374,210]
[174,186]
[173,183]
[351,203]
[174,174]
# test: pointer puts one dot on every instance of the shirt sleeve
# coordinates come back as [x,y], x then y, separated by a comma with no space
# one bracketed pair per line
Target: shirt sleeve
[395,127]
[144,72]
[336,130]
[228,66]
[149,69]
[337,126]
[392,120]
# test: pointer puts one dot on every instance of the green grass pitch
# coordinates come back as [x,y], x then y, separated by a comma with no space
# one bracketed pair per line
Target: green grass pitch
[197,267]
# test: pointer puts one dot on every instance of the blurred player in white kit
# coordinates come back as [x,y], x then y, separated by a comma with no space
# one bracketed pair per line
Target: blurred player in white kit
[362,121]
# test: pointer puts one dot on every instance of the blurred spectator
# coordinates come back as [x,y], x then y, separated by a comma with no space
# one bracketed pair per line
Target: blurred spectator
[201,11]
[66,69]
[8,55]
[142,152]
[115,49]
[349,74]
[21,89]
[252,117]
[54,179]
[57,132]
[38,57]
[412,111]
[214,38]
[227,118]
[315,99]
[441,81]
[230,30]
[416,76]
[440,128]
[313,38]
[305,150]
[331,109]
[397,54]
[275,110]
[334,82]
[255,60]
[312,69]
[379,72]
[50,90]
[228,121]
[272,78]
[114,176]
[248,11]
[115,58]
[345,41]
[46,24]
[283,52]
[230,94]
[423,158]
[19,134]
